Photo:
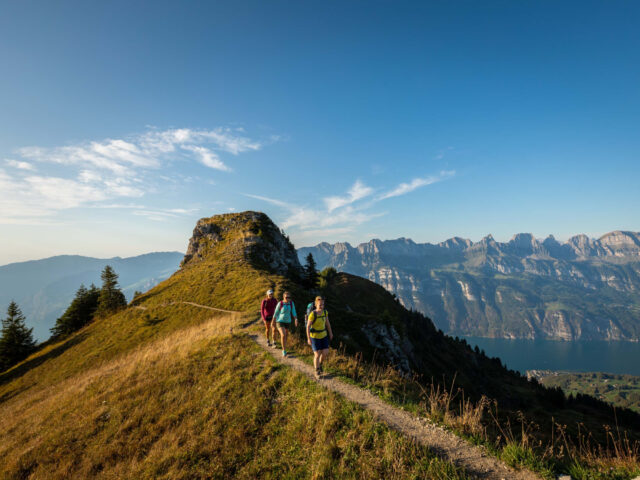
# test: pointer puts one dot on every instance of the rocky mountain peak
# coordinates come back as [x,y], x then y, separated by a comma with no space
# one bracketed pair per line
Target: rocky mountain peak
[488,240]
[246,236]
[456,243]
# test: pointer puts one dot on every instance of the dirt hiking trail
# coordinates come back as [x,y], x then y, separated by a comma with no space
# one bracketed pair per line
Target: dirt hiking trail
[447,445]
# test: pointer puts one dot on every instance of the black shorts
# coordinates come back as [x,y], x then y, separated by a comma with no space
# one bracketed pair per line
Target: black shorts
[285,325]
[268,319]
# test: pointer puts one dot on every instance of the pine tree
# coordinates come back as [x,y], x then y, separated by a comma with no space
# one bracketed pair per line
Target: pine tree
[310,272]
[111,298]
[16,340]
[79,313]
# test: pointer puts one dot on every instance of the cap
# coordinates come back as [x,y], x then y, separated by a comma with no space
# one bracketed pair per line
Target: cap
[269,291]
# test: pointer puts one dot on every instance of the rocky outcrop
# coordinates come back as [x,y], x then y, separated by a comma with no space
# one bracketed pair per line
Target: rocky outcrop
[524,288]
[249,235]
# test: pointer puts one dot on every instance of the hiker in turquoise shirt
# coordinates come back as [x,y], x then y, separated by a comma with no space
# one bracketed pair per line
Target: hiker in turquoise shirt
[285,312]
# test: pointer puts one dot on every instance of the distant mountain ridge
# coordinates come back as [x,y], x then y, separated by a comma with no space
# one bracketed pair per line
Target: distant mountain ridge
[44,288]
[525,288]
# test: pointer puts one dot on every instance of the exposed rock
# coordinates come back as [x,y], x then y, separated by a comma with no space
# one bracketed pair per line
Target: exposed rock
[391,345]
[525,288]
[251,235]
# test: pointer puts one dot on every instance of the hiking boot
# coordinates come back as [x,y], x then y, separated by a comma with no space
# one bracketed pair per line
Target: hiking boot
[274,344]
[318,373]
[284,353]
[268,343]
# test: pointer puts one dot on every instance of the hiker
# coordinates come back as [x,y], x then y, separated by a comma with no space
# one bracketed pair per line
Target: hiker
[267,309]
[284,313]
[310,308]
[319,334]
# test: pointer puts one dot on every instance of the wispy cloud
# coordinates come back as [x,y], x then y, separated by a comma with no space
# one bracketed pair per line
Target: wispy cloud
[357,192]
[19,165]
[149,150]
[338,214]
[271,200]
[207,157]
[90,173]
[161,215]
[342,214]
[404,188]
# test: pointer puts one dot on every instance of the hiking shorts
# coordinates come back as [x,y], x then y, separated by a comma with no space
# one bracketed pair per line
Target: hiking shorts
[285,325]
[318,344]
[268,319]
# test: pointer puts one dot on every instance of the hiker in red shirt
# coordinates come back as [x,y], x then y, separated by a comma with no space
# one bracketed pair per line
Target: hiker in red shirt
[267,310]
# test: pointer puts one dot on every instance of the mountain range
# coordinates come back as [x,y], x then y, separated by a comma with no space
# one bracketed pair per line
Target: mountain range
[581,289]
[44,288]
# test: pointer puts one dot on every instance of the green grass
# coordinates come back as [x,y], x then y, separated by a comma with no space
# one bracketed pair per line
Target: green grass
[619,390]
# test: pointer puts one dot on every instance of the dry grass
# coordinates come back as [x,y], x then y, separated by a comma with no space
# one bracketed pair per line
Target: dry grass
[200,403]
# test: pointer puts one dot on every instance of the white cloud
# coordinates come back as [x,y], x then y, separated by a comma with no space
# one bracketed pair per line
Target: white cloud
[62,193]
[19,165]
[207,157]
[150,150]
[94,172]
[355,193]
[404,188]
[270,200]
[89,176]
[340,215]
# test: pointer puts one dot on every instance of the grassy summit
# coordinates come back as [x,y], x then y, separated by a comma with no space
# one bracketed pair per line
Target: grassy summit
[167,389]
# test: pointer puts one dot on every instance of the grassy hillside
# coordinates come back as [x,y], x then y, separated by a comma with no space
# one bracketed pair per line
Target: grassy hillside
[44,288]
[195,403]
[165,389]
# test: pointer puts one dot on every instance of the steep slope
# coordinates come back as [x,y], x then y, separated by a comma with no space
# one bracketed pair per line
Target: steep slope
[44,288]
[165,389]
[524,288]
[168,389]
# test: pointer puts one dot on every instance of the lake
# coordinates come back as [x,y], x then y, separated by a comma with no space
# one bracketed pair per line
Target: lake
[581,356]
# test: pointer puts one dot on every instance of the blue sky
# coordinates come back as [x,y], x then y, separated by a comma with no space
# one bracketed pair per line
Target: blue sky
[122,123]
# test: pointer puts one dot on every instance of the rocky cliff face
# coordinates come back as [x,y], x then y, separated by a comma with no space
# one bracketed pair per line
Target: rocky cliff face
[580,289]
[250,236]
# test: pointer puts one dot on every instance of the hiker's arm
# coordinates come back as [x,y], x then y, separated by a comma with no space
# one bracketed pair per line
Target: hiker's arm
[329,328]
[294,313]
[308,330]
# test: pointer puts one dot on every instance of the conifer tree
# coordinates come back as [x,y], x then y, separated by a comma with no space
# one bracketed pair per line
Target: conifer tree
[310,272]
[16,340]
[111,298]
[79,313]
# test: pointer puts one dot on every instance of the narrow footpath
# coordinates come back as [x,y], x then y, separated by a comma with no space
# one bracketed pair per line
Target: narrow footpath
[447,445]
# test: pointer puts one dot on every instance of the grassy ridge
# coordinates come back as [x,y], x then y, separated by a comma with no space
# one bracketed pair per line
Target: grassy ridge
[200,403]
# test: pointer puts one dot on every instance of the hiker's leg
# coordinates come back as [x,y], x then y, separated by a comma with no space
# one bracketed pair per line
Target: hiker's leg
[267,326]
[323,356]
[282,335]
[316,359]
[285,333]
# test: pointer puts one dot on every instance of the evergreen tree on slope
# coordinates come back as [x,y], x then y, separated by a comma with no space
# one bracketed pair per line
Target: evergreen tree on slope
[310,272]
[16,340]
[111,298]
[79,313]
